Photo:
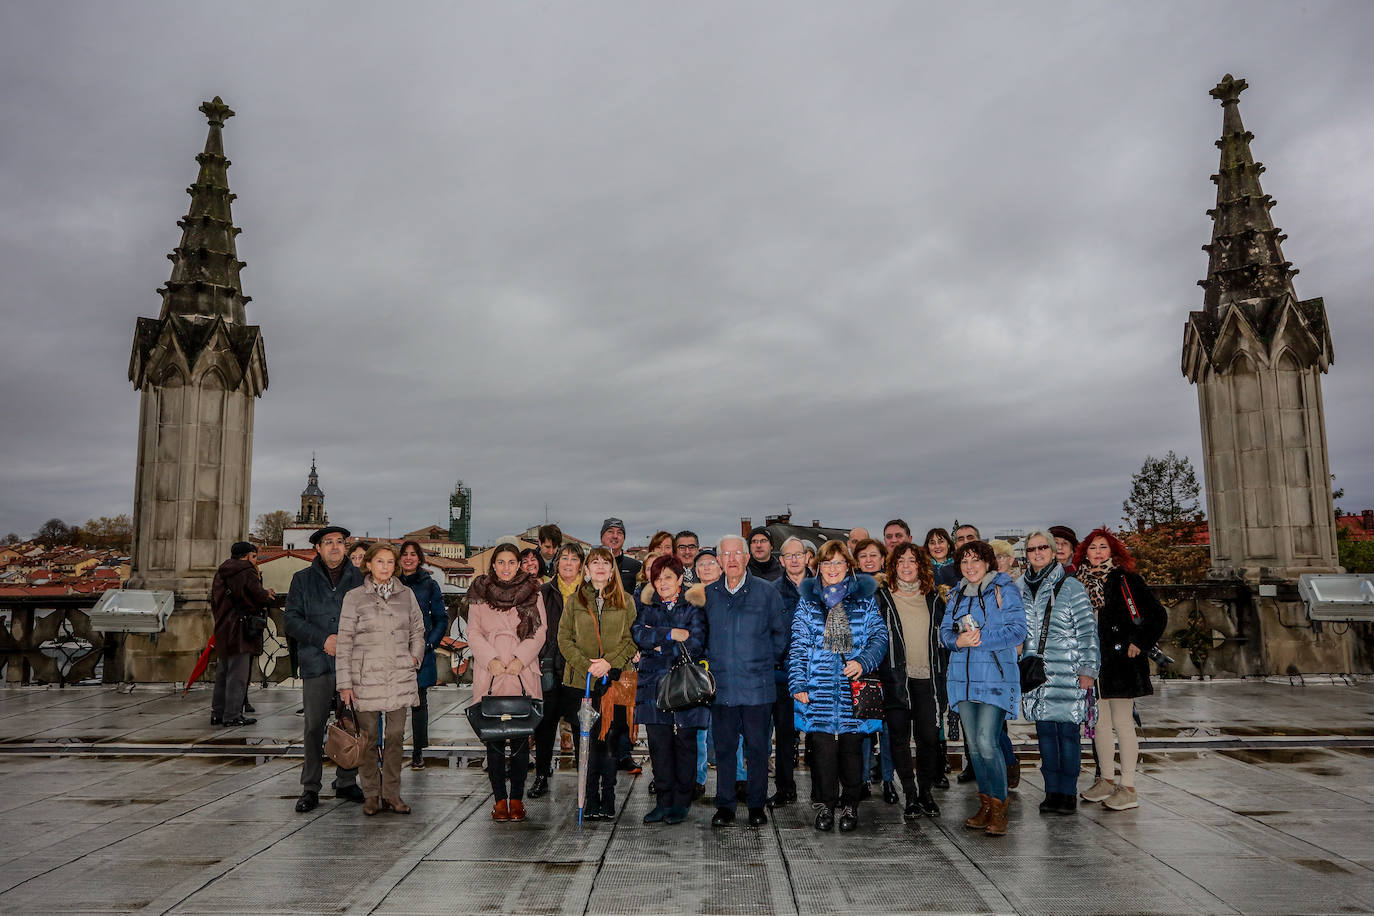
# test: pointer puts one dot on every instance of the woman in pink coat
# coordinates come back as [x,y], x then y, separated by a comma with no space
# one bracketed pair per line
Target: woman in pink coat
[506,626]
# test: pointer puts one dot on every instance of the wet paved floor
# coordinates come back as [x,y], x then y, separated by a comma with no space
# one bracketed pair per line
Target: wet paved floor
[118,802]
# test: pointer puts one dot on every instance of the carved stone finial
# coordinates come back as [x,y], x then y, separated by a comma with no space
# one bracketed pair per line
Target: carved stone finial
[217,112]
[1229,89]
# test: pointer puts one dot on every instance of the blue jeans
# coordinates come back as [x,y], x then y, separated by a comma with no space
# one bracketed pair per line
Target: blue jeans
[982,728]
[884,755]
[1008,752]
[1061,756]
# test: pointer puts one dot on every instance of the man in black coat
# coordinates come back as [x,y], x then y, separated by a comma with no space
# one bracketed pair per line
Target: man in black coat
[613,539]
[236,593]
[762,563]
[313,605]
[784,707]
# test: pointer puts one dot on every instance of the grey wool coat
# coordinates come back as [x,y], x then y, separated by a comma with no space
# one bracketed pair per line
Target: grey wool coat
[379,642]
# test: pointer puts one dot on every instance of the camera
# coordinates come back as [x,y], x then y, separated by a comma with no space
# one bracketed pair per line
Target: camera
[1159,658]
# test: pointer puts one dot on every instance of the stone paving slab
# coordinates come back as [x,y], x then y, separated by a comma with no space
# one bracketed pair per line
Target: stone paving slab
[101,828]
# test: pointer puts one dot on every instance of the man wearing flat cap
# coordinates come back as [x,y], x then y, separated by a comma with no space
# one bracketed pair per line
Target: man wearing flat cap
[312,618]
[613,539]
[236,593]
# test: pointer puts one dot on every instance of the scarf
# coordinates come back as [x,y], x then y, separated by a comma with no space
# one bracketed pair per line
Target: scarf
[1035,579]
[909,587]
[838,636]
[383,589]
[973,589]
[937,565]
[520,593]
[567,588]
[1094,579]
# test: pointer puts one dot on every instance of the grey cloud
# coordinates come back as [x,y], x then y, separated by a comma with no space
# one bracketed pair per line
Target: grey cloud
[674,263]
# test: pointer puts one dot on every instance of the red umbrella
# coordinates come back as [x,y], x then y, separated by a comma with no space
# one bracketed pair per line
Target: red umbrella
[201,664]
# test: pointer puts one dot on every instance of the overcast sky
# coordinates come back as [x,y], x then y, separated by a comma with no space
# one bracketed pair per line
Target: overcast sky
[678,263]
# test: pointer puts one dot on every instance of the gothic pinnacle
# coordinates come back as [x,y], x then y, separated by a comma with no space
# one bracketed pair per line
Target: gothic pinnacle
[217,112]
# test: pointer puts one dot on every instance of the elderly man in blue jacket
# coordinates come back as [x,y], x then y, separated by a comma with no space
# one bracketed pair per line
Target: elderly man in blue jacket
[747,638]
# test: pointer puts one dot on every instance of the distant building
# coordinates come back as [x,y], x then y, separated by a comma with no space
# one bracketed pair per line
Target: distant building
[460,514]
[780,528]
[312,516]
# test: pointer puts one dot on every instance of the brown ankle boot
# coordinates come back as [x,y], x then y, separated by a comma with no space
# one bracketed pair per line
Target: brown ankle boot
[997,821]
[980,820]
[371,805]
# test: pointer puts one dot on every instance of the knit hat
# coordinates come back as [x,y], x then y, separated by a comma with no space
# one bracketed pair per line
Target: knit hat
[242,549]
[1065,532]
[610,523]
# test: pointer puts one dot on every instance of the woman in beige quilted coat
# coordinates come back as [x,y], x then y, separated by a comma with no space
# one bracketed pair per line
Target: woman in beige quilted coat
[381,643]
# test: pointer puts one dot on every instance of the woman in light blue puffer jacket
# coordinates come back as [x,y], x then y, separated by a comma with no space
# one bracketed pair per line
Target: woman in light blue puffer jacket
[984,623]
[1072,657]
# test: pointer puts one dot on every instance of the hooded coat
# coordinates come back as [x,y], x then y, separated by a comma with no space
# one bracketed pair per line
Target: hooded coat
[380,641]
[1071,647]
[435,613]
[818,672]
[313,606]
[987,673]
[235,593]
[658,652]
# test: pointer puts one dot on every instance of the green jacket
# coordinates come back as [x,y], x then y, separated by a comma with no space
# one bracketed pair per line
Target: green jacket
[577,636]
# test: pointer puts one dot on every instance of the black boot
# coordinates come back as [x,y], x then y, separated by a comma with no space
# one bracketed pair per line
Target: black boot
[967,774]
[825,817]
[890,793]
[926,802]
[540,787]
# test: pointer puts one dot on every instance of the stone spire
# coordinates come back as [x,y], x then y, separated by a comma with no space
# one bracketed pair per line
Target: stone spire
[203,301]
[199,368]
[1257,353]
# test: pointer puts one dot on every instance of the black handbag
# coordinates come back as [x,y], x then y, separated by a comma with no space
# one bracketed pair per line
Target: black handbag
[686,686]
[1032,667]
[548,677]
[253,625]
[867,695]
[500,718]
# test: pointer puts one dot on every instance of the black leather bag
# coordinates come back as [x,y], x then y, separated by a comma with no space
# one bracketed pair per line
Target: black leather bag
[548,677]
[687,685]
[867,695]
[499,718]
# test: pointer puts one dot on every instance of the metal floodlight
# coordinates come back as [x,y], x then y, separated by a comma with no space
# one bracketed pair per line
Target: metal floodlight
[126,610]
[1347,597]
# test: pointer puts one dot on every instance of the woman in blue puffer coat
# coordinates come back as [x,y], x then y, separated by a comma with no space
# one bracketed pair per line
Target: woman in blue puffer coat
[668,625]
[1072,657]
[838,636]
[984,623]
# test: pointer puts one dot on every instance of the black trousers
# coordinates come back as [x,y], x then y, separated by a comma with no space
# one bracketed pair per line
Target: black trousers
[419,722]
[837,768]
[785,742]
[498,770]
[601,773]
[922,722]
[728,724]
[673,752]
[556,710]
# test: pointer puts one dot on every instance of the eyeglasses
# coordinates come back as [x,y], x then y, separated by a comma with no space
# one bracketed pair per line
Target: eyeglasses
[732,553]
[1039,547]
[686,546]
[793,556]
[833,563]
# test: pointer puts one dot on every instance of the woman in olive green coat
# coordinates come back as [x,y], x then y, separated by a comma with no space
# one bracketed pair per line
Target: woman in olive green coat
[594,637]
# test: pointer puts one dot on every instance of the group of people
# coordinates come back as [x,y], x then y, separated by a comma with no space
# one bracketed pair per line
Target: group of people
[861,645]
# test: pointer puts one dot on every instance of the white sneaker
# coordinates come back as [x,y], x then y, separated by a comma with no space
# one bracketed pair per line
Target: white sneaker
[1123,798]
[1099,791]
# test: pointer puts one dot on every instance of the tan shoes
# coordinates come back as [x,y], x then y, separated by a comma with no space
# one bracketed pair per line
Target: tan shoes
[979,821]
[395,805]
[1100,790]
[1122,799]
[997,818]
[371,805]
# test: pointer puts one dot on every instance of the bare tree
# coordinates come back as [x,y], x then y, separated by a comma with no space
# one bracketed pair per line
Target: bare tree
[268,527]
[116,533]
[53,533]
